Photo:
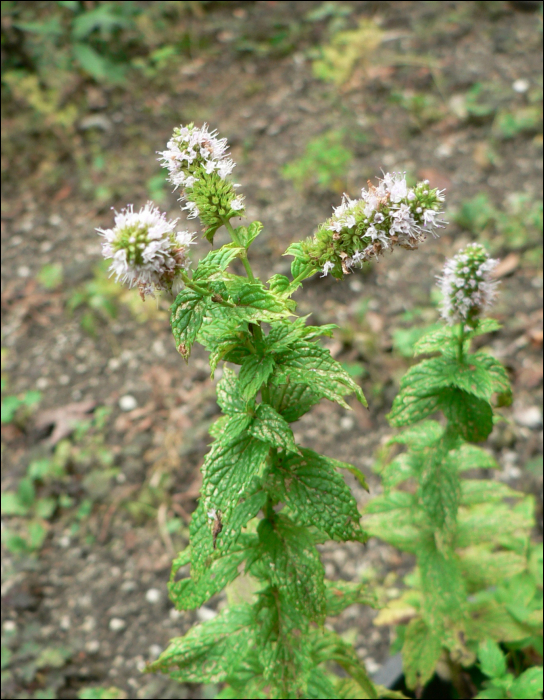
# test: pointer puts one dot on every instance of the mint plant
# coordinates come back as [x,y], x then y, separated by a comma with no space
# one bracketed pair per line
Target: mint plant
[265,502]
[502,684]
[478,578]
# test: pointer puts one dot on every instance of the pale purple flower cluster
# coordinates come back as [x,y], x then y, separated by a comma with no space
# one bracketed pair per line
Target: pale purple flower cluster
[388,215]
[145,251]
[468,289]
[192,150]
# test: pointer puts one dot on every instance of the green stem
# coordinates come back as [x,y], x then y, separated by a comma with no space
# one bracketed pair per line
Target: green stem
[298,279]
[202,290]
[243,256]
[460,343]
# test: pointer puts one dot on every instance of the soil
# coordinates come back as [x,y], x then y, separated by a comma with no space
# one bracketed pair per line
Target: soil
[97,586]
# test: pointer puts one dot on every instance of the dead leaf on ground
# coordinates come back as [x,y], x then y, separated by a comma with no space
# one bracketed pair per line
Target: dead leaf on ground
[506,266]
[63,419]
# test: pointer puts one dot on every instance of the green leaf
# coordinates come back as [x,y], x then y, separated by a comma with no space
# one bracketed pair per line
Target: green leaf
[442,340]
[291,400]
[229,396]
[528,685]
[490,619]
[278,283]
[97,66]
[291,563]
[439,488]
[492,660]
[485,491]
[482,568]
[254,303]
[419,394]
[419,436]
[310,364]
[230,426]
[285,333]
[482,375]
[472,457]
[341,594]
[246,236]
[210,651]
[405,466]
[395,519]
[320,685]
[493,692]
[301,263]
[187,313]
[485,325]
[317,495]
[270,427]
[219,259]
[420,654]
[496,522]
[189,593]
[470,416]
[328,646]
[254,372]
[12,505]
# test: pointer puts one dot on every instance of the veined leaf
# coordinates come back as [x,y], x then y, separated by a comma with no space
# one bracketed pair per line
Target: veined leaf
[472,457]
[472,417]
[221,258]
[419,436]
[328,646]
[290,561]
[404,466]
[212,650]
[253,302]
[395,519]
[420,654]
[341,594]
[485,491]
[482,375]
[229,427]
[187,313]
[310,364]
[278,284]
[229,396]
[270,427]
[489,619]
[320,685]
[482,568]
[317,495]
[485,325]
[246,236]
[528,685]
[496,522]
[439,488]
[284,333]
[291,400]
[442,340]
[189,593]
[254,372]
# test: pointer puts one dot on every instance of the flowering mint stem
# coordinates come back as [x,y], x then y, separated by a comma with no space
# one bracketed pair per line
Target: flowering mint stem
[461,342]
[243,257]
[205,292]
[299,278]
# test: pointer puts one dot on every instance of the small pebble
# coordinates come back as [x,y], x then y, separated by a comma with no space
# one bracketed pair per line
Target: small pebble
[64,541]
[64,379]
[23,271]
[204,614]
[530,417]
[117,624]
[42,383]
[155,651]
[9,626]
[520,85]
[153,595]
[346,423]
[65,623]
[127,403]
[371,665]
[92,646]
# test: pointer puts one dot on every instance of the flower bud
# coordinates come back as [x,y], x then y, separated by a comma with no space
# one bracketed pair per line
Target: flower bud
[466,285]
[198,164]
[145,251]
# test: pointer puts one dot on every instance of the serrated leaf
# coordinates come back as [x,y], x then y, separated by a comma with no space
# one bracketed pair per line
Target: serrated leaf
[278,283]
[470,416]
[212,650]
[404,466]
[220,258]
[419,436]
[270,427]
[284,333]
[249,234]
[319,685]
[439,340]
[485,491]
[328,646]
[444,593]
[488,619]
[301,262]
[493,692]
[229,427]
[187,313]
[482,568]
[189,593]
[492,660]
[485,325]
[472,457]
[254,372]
[528,685]
[439,488]
[253,302]
[419,394]
[291,563]
[291,400]
[308,363]
[395,519]
[482,375]
[229,396]
[420,653]
[317,495]
[341,594]
[497,523]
